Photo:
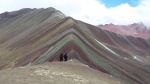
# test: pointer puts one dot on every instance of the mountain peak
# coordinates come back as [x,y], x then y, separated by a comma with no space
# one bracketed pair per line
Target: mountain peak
[40,35]
[136,29]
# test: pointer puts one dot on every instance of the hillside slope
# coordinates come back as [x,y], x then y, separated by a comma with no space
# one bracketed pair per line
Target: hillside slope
[135,30]
[41,35]
[70,72]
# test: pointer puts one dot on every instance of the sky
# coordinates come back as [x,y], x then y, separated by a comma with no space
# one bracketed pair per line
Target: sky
[119,12]
[114,3]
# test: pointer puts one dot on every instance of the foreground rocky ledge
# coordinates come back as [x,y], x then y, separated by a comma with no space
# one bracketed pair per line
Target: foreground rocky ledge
[70,72]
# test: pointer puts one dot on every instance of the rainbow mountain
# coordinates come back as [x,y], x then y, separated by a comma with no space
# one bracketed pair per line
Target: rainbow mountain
[35,36]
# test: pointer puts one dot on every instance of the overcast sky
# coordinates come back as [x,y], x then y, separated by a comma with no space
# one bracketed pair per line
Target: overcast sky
[121,12]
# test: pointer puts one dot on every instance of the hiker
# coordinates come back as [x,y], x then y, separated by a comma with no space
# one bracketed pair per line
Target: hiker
[65,57]
[61,57]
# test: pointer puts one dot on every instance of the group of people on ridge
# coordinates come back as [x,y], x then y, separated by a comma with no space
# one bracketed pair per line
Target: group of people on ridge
[63,57]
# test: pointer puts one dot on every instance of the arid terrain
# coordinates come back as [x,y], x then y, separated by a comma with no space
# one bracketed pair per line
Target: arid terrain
[29,38]
[138,30]
[70,72]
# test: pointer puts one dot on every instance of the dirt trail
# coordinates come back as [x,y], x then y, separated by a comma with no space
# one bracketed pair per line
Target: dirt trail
[70,72]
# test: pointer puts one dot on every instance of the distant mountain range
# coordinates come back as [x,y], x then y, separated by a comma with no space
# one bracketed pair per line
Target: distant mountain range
[136,30]
[35,36]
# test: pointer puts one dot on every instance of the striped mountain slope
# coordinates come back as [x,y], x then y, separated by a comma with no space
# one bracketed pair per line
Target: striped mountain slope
[41,35]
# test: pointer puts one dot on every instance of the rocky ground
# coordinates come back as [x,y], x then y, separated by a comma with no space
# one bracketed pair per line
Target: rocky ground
[70,72]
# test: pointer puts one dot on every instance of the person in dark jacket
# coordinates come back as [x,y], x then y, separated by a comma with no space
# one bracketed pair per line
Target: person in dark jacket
[65,57]
[61,57]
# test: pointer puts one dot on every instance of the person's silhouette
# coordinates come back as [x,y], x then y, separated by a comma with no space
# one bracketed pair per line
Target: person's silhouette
[65,57]
[61,57]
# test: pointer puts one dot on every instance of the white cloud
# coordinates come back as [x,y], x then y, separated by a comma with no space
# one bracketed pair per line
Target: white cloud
[90,11]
